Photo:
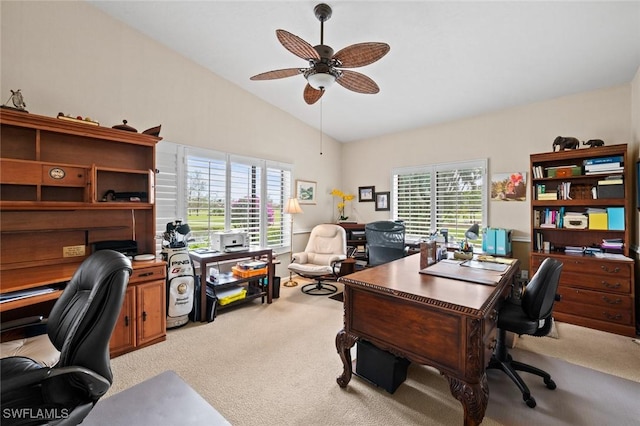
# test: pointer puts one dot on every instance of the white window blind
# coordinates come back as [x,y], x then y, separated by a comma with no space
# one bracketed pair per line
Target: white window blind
[434,197]
[213,191]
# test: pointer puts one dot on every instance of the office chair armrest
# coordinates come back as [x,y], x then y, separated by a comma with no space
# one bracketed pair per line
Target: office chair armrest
[99,386]
[301,257]
[22,322]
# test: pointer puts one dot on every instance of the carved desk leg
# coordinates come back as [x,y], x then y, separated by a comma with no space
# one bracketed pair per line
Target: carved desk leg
[474,398]
[344,343]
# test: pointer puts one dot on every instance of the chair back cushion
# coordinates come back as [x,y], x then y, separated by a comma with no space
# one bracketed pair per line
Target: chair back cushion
[83,318]
[540,292]
[385,241]
[326,240]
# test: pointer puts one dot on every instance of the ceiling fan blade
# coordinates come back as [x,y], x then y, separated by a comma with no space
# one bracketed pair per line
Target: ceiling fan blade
[297,46]
[357,82]
[272,75]
[311,95]
[361,54]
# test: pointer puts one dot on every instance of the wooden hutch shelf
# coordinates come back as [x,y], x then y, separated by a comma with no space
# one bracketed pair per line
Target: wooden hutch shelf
[56,178]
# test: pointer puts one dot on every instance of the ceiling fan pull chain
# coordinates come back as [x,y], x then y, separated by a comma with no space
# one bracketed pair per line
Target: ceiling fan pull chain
[320,126]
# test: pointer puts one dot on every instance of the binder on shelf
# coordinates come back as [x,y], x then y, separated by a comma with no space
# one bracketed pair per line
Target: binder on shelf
[615,218]
[598,220]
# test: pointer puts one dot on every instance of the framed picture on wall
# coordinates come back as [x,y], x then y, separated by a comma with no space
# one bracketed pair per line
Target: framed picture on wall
[382,201]
[365,193]
[306,191]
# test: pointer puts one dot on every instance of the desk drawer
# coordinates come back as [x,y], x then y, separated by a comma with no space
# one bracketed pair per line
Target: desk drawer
[613,284]
[604,313]
[606,300]
[141,274]
[586,265]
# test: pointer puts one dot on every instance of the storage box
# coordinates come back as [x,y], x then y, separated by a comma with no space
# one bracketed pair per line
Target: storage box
[380,367]
[489,241]
[229,295]
[598,221]
[560,172]
[615,218]
[611,191]
[249,272]
[503,242]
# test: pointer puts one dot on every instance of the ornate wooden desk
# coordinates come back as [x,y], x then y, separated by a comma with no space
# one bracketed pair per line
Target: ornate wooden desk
[446,323]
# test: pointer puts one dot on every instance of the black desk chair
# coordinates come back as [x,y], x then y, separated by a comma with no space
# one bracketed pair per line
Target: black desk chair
[532,316]
[385,241]
[79,326]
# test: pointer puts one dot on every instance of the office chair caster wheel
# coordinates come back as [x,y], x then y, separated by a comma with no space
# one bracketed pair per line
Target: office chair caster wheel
[531,402]
[550,384]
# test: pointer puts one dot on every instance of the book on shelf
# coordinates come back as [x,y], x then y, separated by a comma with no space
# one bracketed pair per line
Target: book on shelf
[564,189]
[611,180]
[538,172]
[601,166]
[601,160]
[604,171]
[548,196]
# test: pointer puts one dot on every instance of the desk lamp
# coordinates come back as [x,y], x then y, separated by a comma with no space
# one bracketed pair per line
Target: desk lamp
[471,234]
[292,208]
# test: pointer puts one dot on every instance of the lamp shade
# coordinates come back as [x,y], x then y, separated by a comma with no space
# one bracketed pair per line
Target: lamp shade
[292,206]
[320,80]
[472,232]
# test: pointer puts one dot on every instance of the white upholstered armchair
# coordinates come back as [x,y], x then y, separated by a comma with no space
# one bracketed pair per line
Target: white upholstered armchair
[320,260]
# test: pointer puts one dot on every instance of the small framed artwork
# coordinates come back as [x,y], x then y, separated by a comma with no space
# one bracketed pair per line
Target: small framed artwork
[509,186]
[365,193]
[306,191]
[382,201]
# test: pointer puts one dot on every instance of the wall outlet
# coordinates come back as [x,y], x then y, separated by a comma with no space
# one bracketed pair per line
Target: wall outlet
[524,274]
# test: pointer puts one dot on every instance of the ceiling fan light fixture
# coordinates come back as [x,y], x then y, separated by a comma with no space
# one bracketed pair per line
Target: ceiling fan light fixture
[321,80]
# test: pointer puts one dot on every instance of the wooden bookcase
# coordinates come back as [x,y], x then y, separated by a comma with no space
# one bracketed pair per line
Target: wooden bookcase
[596,292]
[55,179]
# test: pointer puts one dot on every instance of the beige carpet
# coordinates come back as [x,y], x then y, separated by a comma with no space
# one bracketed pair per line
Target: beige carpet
[277,364]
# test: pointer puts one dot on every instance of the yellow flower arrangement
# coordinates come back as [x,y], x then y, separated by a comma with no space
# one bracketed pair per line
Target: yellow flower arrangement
[341,204]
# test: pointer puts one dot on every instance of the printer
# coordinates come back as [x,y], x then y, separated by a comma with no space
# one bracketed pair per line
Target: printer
[229,241]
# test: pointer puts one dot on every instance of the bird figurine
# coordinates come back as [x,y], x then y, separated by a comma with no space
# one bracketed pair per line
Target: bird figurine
[17,100]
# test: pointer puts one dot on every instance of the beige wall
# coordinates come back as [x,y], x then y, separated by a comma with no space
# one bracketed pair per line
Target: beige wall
[506,138]
[70,57]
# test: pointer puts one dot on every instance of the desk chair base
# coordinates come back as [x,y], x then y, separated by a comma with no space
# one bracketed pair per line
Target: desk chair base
[319,289]
[503,361]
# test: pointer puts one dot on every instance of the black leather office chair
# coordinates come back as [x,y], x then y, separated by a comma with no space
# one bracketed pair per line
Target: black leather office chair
[79,326]
[385,241]
[530,315]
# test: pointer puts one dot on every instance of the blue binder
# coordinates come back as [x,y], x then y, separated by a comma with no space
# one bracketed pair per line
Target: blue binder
[489,241]
[503,241]
[615,218]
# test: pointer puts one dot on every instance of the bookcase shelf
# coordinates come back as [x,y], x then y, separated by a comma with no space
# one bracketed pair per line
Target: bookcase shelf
[588,280]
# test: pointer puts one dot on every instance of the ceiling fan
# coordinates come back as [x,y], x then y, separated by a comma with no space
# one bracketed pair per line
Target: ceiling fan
[325,67]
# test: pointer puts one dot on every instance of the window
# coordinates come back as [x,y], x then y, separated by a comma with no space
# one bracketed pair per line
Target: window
[217,192]
[434,197]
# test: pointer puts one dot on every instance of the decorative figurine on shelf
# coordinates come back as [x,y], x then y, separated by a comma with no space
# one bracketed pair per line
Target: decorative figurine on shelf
[565,143]
[593,143]
[17,100]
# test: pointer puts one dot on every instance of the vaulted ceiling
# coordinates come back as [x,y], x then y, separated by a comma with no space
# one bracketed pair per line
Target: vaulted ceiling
[448,60]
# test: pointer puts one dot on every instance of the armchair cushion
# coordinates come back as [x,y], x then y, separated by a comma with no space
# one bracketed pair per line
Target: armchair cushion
[326,247]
